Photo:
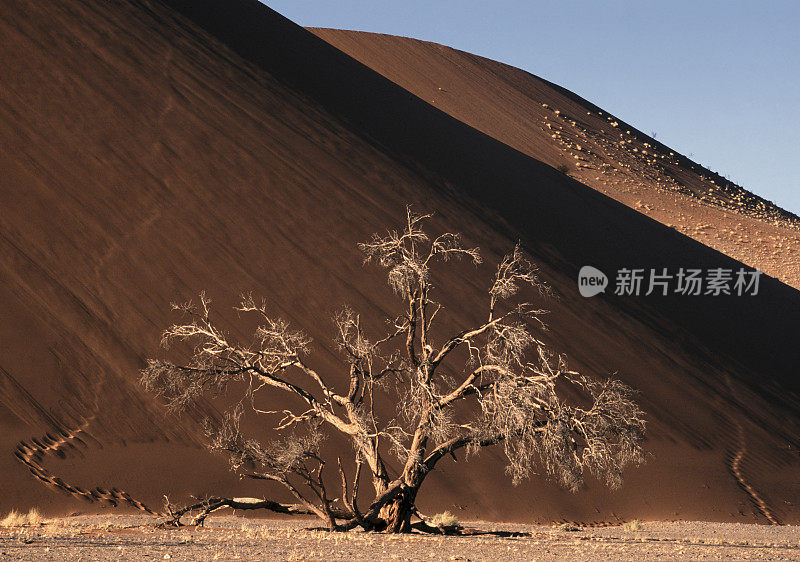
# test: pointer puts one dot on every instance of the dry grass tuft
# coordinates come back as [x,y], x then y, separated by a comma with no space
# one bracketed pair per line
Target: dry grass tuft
[445,519]
[634,525]
[17,519]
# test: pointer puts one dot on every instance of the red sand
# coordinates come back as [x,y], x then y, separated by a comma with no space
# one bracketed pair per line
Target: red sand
[153,151]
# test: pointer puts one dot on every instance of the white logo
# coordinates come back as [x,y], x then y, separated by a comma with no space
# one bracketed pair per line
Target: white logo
[714,281]
[591,281]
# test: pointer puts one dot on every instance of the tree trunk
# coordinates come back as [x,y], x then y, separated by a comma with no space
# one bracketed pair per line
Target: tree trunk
[395,517]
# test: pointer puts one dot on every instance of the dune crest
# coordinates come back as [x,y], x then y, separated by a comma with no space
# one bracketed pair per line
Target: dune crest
[598,149]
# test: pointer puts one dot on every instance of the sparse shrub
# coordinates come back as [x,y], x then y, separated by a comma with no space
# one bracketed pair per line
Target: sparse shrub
[445,519]
[568,527]
[634,525]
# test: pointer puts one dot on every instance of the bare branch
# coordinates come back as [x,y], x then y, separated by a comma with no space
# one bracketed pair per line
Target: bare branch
[514,271]
[209,505]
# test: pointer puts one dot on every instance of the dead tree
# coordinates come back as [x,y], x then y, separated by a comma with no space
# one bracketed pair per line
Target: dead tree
[509,392]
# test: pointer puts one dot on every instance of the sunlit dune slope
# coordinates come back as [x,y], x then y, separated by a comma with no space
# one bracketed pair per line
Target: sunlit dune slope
[553,125]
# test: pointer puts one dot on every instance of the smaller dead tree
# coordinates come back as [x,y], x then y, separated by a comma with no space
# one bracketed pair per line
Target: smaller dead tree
[509,390]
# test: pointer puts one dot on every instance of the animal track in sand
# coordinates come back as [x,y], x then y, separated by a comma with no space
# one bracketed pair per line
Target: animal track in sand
[736,470]
[31,454]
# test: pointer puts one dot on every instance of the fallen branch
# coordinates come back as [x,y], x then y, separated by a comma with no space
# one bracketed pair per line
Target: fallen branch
[212,504]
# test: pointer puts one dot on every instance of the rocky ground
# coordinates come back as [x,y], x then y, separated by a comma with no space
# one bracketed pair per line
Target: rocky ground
[236,538]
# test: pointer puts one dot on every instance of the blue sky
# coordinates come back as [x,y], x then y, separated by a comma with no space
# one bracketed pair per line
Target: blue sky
[717,80]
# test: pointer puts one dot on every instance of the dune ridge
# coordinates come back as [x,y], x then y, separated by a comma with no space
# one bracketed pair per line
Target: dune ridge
[601,150]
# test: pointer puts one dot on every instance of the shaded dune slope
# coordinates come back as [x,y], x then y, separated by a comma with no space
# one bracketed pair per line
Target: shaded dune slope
[155,149]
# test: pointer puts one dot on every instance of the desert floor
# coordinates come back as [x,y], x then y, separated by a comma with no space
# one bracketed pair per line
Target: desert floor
[237,538]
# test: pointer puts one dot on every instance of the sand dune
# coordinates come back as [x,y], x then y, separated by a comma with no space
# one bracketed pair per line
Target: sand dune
[153,150]
[568,132]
